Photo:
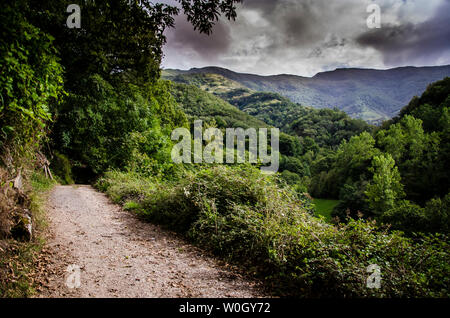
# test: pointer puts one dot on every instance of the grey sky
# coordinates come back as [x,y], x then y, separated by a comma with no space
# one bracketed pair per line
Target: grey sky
[304,37]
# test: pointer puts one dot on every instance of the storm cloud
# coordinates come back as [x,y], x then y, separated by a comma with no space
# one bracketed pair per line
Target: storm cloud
[304,37]
[423,43]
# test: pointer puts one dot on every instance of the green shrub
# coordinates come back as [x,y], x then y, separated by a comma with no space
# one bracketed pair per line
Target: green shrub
[123,187]
[437,212]
[405,216]
[410,217]
[62,168]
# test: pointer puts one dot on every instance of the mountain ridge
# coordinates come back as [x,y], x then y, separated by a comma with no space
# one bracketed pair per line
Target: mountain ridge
[370,94]
[205,68]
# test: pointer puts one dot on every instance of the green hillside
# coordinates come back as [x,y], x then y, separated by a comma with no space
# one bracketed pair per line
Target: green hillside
[327,127]
[200,104]
[331,155]
[361,93]
[271,108]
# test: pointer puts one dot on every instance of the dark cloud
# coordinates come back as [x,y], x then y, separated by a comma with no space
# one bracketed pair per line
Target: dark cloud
[300,23]
[185,38]
[421,43]
[308,36]
[263,6]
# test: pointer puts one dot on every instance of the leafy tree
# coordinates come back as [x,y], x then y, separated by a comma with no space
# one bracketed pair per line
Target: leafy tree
[437,213]
[354,157]
[30,79]
[119,36]
[405,140]
[385,187]
[417,155]
[290,177]
[293,164]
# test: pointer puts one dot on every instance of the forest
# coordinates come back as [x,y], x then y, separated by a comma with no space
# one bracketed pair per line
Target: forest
[94,104]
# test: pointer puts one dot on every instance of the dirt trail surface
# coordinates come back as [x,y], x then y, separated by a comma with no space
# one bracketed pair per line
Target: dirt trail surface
[121,256]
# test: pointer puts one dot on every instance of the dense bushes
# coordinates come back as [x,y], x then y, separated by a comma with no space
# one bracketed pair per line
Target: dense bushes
[103,126]
[244,216]
[30,80]
[410,217]
[398,174]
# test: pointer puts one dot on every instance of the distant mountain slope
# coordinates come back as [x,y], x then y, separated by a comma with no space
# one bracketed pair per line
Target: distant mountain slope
[198,104]
[372,95]
[212,96]
[271,108]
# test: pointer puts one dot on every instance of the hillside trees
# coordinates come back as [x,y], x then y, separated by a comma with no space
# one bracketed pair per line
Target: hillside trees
[310,136]
[351,162]
[416,153]
[400,173]
[385,188]
[332,155]
[328,127]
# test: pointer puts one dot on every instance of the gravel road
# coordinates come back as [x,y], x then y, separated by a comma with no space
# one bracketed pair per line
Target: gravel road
[120,256]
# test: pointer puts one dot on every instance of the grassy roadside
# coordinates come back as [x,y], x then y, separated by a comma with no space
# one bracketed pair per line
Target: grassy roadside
[324,207]
[17,259]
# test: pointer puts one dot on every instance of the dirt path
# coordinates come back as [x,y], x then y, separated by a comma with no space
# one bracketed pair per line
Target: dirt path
[120,256]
